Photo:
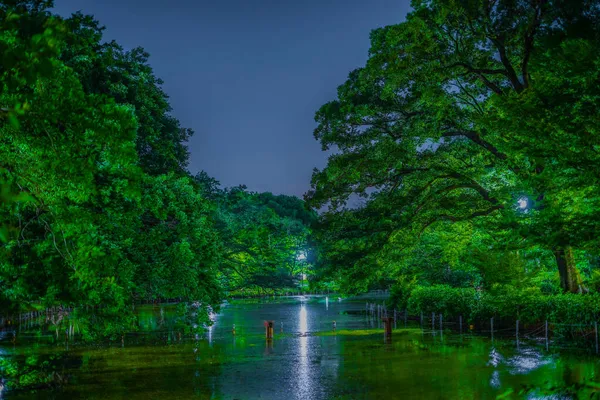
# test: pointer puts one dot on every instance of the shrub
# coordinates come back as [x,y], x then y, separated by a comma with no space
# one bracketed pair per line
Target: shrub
[506,302]
[443,299]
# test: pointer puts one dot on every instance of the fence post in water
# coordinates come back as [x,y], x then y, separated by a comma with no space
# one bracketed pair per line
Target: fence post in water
[441,325]
[395,319]
[460,323]
[421,320]
[405,316]
[546,335]
[433,321]
[492,325]
[269,329]
[387,327]
[517,333]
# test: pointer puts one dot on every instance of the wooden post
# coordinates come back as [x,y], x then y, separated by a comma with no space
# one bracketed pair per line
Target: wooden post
[517,333]
[460,323]
[433,321]
[421,320]
[269,329]
[395,319]
[492,325]
[441,325]
[387,326]
[405,316]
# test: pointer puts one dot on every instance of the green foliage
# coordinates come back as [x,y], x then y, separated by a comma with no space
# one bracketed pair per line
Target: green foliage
[460,112]
[506,302]
[97,210]
[442,299]
[266,237]
[401,292]
[32,372]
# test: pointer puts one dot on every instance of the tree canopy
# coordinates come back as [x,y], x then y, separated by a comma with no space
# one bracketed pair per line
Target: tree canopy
[478,114]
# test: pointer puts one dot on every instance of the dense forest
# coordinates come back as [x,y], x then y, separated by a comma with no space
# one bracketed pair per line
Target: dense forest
[98,210]
[464,175]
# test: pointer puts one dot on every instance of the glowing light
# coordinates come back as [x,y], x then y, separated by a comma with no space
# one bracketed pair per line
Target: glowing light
[301,256]
[523,202]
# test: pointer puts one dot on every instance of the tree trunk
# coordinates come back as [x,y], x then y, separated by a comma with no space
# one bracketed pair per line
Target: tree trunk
[570,280]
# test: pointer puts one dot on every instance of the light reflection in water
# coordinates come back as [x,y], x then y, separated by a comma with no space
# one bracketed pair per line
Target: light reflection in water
[527,361]
[495,380]
[304,383]
[213,319]
[303,320]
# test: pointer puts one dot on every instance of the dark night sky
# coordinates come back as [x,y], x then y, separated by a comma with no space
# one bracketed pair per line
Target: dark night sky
[247,75]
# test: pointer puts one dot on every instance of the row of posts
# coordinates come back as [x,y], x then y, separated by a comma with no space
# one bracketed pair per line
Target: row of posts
[379,311]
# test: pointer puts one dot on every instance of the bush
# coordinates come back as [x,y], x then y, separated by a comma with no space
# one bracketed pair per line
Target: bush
[506,302]
[443,299]
[401,292]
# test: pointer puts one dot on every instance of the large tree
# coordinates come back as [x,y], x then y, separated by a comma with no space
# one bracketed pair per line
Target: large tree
[96,208]
[474,111]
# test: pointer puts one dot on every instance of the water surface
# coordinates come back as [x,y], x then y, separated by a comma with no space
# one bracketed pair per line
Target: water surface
[306,360]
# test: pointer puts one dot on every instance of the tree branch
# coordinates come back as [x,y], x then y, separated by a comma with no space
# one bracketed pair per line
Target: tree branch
[476,138]
[512,75]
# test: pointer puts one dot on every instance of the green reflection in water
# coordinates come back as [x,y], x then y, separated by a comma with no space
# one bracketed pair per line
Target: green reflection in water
[305,361]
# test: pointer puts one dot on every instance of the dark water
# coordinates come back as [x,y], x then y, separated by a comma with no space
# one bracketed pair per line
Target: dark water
[307,361]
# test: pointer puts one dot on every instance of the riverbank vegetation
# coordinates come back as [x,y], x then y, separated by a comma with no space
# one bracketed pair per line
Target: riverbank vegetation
[466,159]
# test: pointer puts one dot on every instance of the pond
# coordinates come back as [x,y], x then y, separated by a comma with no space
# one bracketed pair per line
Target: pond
[307,360]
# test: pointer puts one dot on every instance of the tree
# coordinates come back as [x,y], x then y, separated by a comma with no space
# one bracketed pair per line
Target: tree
[96,206]
[457,115]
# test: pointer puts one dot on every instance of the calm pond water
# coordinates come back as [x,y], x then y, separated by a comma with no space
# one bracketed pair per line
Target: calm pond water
[306,361]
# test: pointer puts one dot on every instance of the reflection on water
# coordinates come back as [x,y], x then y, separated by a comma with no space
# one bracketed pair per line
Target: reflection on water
[304,383]
[527,360]
[300,363]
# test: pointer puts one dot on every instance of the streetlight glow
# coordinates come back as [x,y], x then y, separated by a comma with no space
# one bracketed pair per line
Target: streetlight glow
[523,202]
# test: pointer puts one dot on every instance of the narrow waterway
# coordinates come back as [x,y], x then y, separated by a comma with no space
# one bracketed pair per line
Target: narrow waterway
[306,360]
